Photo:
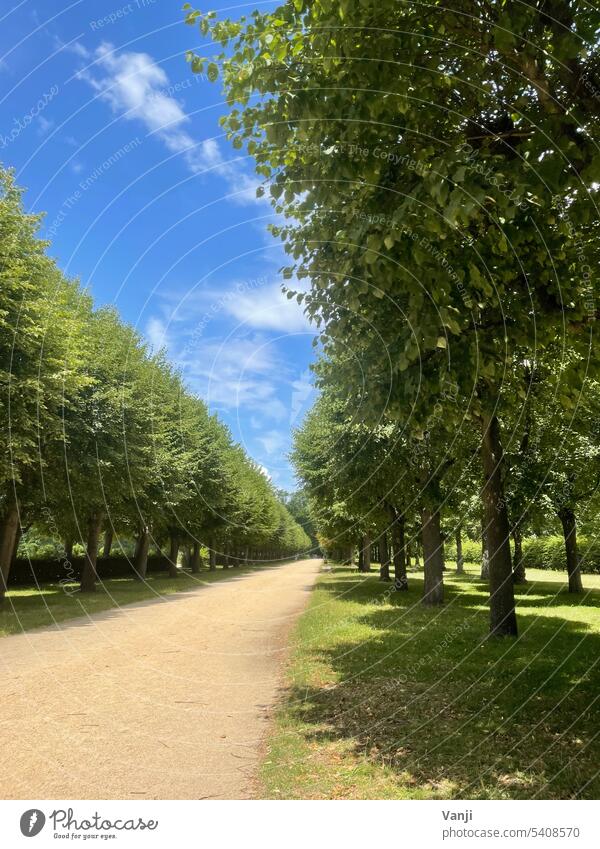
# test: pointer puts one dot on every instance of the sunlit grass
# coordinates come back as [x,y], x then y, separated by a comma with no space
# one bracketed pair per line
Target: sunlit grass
[388,699]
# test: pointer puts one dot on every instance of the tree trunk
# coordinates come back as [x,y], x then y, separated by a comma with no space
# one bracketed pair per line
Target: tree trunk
[518,565]
[172,556]
[140,558]
[417,556]
[485,554]
[88,571]
[503,619]
[212,557]
[484,575]
[68,544]
[460,563]
[567,518]
[361,558]
[8,533]
[108,541]
[433,559]
[195,560]
[366,553]
[399,546]
[18,536]
[384,553]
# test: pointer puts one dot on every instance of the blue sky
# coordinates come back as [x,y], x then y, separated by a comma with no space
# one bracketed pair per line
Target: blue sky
[150,206]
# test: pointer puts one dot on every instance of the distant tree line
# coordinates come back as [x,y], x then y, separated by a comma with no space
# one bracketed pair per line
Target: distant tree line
[101,437]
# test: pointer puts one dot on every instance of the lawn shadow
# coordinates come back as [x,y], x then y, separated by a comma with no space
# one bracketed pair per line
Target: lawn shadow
[452,713]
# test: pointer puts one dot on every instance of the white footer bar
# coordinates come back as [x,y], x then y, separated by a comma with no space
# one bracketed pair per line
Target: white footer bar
[300,825]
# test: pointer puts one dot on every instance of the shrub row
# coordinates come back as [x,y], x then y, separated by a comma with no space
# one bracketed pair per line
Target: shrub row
[549,553]
[471,550]
[25,572]
[538,553]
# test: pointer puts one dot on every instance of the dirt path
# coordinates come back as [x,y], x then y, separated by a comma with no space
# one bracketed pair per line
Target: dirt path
[155,700]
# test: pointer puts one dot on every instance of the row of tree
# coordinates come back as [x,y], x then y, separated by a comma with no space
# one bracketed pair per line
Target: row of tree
[376,488]
[100,434]
[435,178]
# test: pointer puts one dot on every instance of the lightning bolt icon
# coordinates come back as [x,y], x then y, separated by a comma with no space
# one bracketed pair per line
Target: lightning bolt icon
[32,820]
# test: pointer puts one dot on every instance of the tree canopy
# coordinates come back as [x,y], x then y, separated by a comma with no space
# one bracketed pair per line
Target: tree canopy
[102,433]
[434,177]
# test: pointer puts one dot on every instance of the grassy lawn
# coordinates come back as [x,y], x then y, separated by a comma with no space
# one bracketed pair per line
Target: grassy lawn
[30,607]
[388,699]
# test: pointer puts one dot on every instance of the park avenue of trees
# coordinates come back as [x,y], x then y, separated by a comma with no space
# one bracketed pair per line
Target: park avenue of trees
[435,178]
[101,437]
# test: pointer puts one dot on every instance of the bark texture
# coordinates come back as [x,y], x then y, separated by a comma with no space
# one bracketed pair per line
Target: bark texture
[433,558]
[569,525]
[384,563]
[503,619]
[108,541]
[365,566]
[140,558]
[195,561]
[173,556]
[89,575]
[460,563]
[399,548]
[519,576]
[9,528]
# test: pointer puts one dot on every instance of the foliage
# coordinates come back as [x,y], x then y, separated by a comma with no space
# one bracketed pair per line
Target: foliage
[101,433]
[471,550]
[548,552]
[435,178]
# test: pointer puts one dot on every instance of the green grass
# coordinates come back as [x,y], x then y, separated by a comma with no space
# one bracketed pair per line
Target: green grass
[388,699]
[30,607]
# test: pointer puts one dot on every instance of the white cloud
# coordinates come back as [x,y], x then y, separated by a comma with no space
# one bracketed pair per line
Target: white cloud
[44,125]
[233,357]
[78,48]
[303,392]
[277,410]
[137,88]
[240,393]
[234,374]
[156,333]
[273,442]
[268,308]
[134,86]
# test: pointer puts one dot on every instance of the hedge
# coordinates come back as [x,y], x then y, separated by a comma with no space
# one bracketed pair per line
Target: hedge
[549,553]
[538,553]
[471,550]
[26,572]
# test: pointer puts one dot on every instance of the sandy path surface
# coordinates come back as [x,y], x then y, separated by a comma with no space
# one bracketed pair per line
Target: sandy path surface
[166,699]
